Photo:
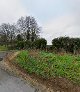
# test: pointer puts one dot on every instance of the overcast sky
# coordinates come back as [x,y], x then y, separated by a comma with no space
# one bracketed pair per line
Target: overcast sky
[56,17]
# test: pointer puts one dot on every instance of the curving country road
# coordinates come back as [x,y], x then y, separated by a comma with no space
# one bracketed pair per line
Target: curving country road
[10,83]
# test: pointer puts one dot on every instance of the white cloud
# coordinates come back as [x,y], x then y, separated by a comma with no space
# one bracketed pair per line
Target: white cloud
[11,10]
[64,24]
[67,25]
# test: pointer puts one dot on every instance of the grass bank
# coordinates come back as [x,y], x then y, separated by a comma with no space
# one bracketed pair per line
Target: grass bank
[49,65]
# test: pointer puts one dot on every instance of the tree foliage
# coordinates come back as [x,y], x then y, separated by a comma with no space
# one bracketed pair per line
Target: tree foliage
[40,43]
[67,44]
[22,34]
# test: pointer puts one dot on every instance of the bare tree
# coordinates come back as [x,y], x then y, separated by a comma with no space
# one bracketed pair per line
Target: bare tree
[4,32]
[29,27]
[13,32]
[7,33]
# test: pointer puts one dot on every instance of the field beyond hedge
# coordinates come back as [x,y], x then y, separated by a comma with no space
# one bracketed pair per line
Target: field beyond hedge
[3,48]
[50,65]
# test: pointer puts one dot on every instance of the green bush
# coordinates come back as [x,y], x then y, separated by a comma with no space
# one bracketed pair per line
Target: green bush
[40,43]
[27,44]
[20,44]
[67,44]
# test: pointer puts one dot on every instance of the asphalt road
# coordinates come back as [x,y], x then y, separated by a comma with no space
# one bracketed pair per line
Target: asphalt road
[10,83]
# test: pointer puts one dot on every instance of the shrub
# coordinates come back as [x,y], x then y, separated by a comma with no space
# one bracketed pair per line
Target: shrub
[40,43]
[67,44]
[20,44]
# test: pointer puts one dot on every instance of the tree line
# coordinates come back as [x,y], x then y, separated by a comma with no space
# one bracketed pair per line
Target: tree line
[66,44]
[23,34]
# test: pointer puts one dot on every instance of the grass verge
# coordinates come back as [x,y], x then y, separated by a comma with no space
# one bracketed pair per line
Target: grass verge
[50,65]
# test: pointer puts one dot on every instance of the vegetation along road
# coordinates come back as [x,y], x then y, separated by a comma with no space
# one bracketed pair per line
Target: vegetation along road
[10,83]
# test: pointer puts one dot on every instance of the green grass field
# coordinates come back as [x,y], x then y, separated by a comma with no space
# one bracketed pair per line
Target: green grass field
[3,48]
[50,65]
